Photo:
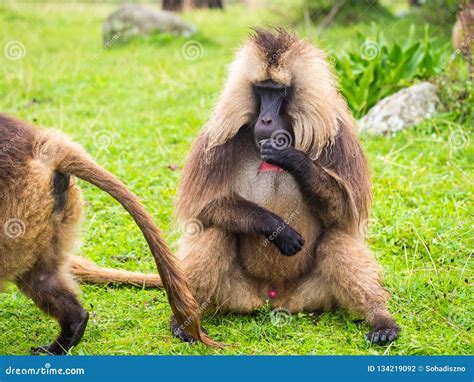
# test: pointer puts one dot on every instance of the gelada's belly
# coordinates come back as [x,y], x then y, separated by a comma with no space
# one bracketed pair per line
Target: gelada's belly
[279,193]
[263,261]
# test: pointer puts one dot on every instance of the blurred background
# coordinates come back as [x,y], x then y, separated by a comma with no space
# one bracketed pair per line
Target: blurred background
[135,82]
[377,46]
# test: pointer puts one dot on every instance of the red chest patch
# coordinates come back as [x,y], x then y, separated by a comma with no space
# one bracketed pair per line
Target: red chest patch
[267,167]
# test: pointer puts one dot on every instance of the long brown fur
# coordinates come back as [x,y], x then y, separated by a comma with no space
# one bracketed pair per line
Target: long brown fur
[38,234]
[463,30]
[231,266]
[319,114]
[463,33]
[88,271]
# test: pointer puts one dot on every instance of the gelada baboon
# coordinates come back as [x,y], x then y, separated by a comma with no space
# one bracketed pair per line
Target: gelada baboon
[40,210]
[280,184]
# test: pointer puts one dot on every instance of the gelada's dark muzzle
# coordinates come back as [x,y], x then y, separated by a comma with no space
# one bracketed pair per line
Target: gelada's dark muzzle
[271,118]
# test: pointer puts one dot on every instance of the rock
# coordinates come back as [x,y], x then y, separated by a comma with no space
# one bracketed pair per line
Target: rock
[134,20]
[406,108]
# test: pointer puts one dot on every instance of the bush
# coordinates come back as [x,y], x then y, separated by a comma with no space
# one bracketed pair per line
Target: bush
[457,96]
[441,13]
[378,69]
[352,11]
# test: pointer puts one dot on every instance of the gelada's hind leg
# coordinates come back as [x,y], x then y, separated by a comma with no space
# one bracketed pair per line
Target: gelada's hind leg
[353,277]
[53,290]
[210,262]
[311,294]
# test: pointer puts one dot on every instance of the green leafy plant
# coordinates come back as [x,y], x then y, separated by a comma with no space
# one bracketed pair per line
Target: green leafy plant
[378,69]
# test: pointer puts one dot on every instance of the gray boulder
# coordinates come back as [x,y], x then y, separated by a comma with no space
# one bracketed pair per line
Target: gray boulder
[406,108]
[135,20]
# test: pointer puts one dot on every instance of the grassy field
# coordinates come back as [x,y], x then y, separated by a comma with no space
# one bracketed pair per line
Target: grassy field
[137,108]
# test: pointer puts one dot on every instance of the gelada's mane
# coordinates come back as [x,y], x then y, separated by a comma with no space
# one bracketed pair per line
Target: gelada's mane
[322,123]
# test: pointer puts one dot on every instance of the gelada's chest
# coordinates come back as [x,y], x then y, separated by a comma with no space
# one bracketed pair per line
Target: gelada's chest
[269,187]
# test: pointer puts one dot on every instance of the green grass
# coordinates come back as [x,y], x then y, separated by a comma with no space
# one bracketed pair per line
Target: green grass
[137,108]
